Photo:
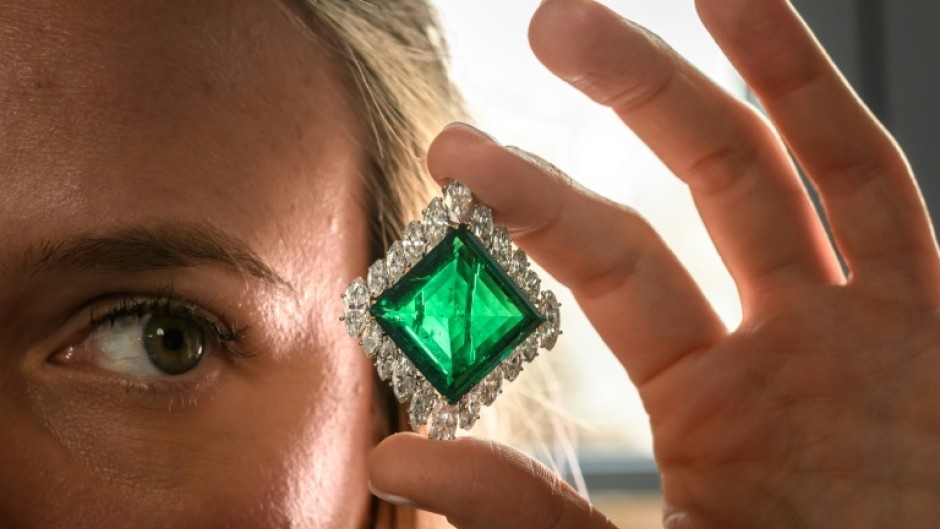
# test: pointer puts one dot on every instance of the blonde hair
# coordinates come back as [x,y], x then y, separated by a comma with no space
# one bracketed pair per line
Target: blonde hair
[395,55]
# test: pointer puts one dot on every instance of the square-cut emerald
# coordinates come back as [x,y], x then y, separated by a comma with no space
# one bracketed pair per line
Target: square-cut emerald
[456,315]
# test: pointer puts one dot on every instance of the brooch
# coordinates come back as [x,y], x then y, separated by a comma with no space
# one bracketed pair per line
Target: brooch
[451,312]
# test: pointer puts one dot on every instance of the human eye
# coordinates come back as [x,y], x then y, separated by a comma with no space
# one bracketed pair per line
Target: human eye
[151,337]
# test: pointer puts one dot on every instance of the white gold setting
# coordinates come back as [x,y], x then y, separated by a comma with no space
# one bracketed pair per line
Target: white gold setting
[427,406]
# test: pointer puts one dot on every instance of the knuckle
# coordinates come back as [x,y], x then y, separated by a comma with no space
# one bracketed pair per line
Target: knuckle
[729,163]
[532,494]
[623,88]
[847,177]
[718,170]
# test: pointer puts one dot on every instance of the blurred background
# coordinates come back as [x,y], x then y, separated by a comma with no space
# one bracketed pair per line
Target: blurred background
[593,428]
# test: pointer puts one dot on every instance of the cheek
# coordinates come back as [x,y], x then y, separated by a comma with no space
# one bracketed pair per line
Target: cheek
[279,441]
[319,437]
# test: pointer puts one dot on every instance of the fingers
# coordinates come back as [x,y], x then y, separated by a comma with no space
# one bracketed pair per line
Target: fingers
[875,210]
[632,288]
[743,182]
[477,484]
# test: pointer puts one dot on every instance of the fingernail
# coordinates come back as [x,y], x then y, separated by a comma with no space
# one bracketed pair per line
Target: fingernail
[392,498]
[538,161]
[524,154]
[471,129]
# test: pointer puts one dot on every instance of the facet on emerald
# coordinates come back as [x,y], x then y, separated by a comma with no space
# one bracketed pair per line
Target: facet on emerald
[456,314]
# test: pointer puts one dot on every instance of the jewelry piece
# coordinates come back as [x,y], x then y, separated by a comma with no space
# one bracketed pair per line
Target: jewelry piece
[451,312]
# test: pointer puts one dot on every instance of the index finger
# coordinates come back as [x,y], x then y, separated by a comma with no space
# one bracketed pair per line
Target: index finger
[637,294]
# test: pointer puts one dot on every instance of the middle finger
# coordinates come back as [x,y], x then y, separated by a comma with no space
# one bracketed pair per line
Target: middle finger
[743,182]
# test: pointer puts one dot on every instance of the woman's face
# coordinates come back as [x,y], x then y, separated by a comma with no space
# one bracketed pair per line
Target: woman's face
[179,211]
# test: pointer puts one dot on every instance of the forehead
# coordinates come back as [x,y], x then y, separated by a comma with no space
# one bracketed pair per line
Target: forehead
[116,111]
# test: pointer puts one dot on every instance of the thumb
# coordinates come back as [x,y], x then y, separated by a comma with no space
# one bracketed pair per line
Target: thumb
[477,485]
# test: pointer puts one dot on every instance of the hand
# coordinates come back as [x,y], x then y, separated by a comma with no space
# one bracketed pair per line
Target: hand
[823,408]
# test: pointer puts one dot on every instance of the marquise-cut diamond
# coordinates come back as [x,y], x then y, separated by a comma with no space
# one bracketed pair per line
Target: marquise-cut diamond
[385,360]
[421,405]
[532,284]
[529,348]
[404,379]
[356,299]
[501,246]
[395,262]
[512,366]
[550,329]
[377,278]
[435,221]
[518,266]
[372,338]
[444,423]
[482,224]
[413,242]
[468,410]
[459,201]
[490,388]
[456,315]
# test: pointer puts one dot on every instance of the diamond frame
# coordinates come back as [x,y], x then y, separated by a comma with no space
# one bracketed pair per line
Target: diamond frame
[427,406]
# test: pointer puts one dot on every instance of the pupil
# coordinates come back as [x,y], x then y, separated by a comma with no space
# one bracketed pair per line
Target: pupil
[172,338]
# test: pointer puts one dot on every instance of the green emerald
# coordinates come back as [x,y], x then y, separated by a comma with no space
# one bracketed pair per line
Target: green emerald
[456,315]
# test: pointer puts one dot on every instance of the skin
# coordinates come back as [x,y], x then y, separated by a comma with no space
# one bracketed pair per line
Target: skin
[821,410]
[123,122]
[170,119]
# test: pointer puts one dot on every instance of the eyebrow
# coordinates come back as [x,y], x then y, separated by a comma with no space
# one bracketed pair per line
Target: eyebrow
[141,248]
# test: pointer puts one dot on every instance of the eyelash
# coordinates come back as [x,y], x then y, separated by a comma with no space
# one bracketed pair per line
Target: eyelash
[231,339]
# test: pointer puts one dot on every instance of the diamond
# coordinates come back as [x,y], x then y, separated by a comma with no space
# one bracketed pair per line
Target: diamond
[372,338]
[456,315]
[550,329]
[395,262]
[378,278]
[385,360]
[435,221]
[530,347]
[458,200]
[404,379]
[490,388]
[422,403]
[532,284]
[501,246]
[354,320]
[357,303]
[482,224]
[468,410]
[413,242]
[512,366]
[444,423]
[518,266]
